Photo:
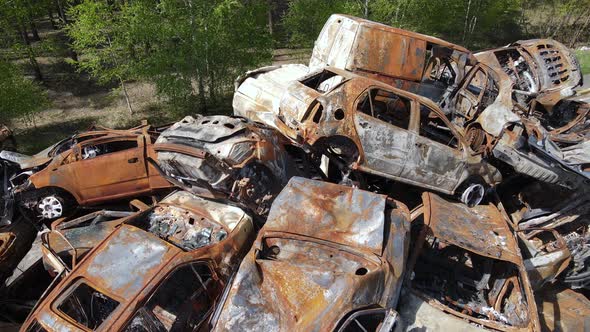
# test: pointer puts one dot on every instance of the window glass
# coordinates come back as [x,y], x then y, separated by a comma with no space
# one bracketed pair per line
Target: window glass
[93,151]
[434,128]
[386,106]
[181,303]
[324,81]
[87,306]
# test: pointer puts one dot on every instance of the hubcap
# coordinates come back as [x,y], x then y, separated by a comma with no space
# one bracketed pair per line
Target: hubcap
[473,195]
[50,207]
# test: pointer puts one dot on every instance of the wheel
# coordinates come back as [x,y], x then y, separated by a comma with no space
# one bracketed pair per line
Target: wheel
[51,207]
[473,194]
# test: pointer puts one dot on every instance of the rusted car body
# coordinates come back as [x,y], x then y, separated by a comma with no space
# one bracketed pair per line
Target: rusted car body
[541,69]
[563,310]
[411,61]
[72,172]
[228,157]
[465,269]
[327,253]
[7,140]
[69,241]
[163,268]
[369,126]
[554,227]
[475,95]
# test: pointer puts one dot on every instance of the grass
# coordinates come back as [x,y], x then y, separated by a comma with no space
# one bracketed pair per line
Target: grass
[584,58]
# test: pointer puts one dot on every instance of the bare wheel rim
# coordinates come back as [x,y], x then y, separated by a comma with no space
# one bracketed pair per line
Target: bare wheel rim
[473,195]
[50,207]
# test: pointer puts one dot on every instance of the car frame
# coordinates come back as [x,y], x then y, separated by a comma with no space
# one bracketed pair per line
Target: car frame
[327,255]
[327,120]
[126,270]
[72,172]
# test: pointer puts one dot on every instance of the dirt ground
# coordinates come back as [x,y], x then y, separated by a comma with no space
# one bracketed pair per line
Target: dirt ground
[77,102]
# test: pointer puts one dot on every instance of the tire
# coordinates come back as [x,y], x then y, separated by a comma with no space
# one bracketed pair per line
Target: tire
[48,204]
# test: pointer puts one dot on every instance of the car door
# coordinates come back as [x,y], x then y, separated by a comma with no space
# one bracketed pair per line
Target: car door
[469,96]
[437,158]
[110,168]
[382,120]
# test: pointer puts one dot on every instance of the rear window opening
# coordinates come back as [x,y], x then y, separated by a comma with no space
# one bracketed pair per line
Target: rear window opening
[87,306]
[324,81]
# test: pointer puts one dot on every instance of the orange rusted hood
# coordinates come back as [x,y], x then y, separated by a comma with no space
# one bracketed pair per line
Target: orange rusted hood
[318,258]
[481,229]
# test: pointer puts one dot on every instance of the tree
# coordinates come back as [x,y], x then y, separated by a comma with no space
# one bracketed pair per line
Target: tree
[192,50]
[305,18]
[16,16]
[19,97]
[97,35]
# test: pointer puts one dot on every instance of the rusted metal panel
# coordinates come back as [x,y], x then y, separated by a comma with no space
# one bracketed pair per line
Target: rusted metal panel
[138,255]
[314,263]
[231,157]
[481,229]
[563,310]
[456,271]
[356,44]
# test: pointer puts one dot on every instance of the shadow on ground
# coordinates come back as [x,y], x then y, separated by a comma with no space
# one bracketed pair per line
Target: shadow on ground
[35,139]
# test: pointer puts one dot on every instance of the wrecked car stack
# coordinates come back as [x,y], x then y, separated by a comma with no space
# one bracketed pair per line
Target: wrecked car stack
[397,182]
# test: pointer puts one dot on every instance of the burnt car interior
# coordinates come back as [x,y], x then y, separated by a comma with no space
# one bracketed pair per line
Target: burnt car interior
[433,127]
[180,303]
[86,305]
[324,81]
[386,106]
[182,228]
[95,150]
[470,284]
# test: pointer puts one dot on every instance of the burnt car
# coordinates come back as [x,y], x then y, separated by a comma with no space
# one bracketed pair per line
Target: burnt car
[328,258]
[7,140]
[162,269]
[541,69]
[554,227]
[228,157]
[365,125]
[418,63]
[473,94]
[465,271]
[74,172]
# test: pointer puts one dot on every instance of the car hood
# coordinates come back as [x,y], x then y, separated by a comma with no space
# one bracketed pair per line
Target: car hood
[327,241]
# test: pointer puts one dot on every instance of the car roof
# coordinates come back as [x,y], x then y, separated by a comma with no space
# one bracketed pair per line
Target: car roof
[403,32]
[363,81]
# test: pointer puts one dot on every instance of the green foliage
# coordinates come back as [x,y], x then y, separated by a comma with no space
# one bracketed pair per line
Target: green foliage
[305,18]
[473,23]
[19,96]
[192,50]
[96,35]
[584,59]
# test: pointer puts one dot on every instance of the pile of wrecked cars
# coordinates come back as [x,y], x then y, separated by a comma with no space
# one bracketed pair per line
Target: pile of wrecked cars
[397,182]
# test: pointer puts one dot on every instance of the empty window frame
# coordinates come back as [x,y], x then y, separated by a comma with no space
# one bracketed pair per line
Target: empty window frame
[87,306]
[433,127]
[386,106]
[324,81]
[181,303]
[93,151]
